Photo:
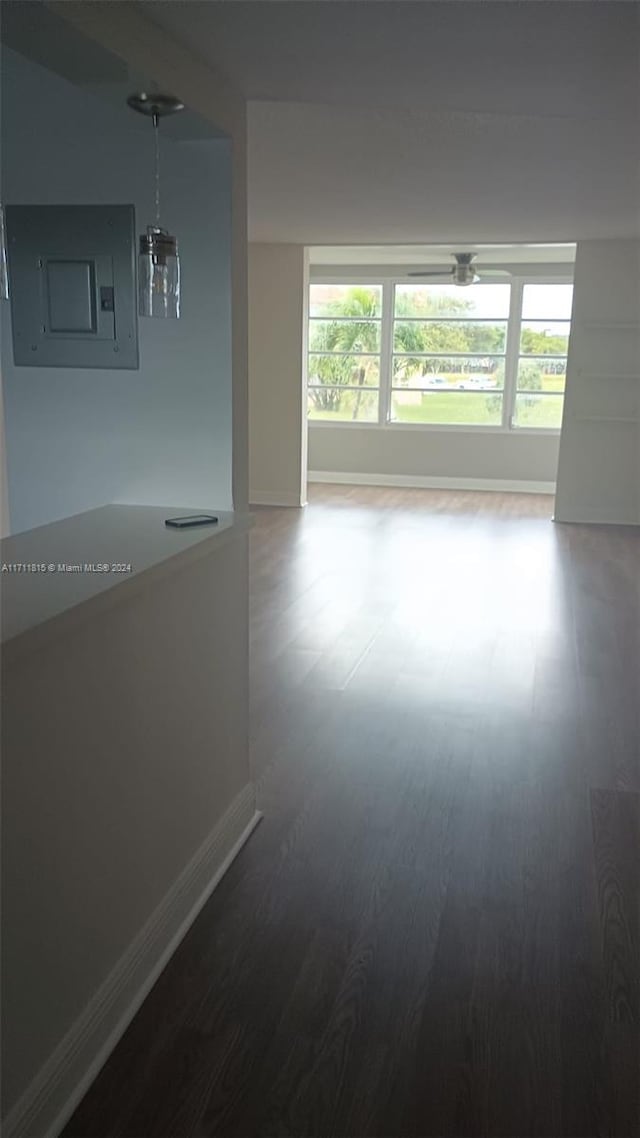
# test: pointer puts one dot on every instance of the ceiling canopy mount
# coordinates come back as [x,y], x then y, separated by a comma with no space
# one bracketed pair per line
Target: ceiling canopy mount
[155,105]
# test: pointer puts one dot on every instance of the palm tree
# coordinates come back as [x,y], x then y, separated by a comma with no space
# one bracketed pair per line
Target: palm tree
[354,331]
[433,336]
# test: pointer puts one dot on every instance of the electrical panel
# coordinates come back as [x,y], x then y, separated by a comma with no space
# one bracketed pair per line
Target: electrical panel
[72,280]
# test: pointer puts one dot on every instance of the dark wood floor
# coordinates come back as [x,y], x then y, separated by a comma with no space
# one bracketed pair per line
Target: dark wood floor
[435,930]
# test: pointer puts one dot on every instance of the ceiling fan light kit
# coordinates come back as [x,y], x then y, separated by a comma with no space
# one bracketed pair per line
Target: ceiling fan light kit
[463,272]
[464,275]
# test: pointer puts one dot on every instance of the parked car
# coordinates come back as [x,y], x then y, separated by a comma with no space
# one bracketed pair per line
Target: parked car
[475,382]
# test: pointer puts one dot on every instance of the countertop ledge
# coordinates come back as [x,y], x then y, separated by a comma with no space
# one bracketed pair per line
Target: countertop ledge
[132,541]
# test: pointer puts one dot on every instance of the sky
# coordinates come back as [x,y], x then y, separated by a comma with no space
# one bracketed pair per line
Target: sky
[540,301]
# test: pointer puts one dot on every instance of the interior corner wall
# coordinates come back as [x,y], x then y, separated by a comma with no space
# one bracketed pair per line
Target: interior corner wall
[599,464]
[239,310]
[149,50]
[173,431]
[4,494]
[79,438]
[278,291]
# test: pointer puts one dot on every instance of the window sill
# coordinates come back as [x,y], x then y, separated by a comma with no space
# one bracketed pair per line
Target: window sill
[438,428]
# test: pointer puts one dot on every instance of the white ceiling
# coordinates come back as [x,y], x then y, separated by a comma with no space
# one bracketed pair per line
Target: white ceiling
[457,121]
[560,254]
[35,31]
[498,56]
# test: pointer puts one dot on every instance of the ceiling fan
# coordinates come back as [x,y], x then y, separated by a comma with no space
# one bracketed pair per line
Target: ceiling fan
[463,272]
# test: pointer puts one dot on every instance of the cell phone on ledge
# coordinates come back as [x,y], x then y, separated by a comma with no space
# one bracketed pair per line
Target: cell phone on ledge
[191,520]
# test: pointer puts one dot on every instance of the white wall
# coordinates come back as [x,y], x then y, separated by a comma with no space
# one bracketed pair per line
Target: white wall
[4,488]
[330,175]
[278,298]
[148,50]
[78,438]
[599,464]
[163,808]
[124,745]
[418,454]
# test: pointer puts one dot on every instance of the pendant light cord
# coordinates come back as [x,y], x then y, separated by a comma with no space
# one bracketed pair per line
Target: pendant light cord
[157,148]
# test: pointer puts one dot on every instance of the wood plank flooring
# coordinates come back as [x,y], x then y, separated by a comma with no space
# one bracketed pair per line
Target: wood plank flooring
[435,929]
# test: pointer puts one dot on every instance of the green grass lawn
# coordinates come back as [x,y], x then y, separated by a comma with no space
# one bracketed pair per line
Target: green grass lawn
[478,410]
[470,408]
[553,383]
[445,407]
[543,413]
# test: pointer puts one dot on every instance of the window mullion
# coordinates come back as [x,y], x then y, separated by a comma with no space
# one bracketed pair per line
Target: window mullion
[386,352]
[512,353]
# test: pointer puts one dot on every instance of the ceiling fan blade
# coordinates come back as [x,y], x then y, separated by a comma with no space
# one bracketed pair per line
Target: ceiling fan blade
[491,272]
[444,275]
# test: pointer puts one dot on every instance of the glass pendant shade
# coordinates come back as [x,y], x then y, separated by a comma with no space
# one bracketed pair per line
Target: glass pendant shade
[4,272]
[158,261]
[158,274]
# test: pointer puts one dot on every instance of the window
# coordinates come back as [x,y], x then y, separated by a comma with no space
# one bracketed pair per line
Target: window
[489,355]
[542,359]
[449,347]
[344,352]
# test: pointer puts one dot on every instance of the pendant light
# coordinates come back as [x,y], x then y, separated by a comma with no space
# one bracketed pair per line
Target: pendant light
[4,272]
[158,261]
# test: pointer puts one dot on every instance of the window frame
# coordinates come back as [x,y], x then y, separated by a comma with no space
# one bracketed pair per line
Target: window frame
[365,282]
[346,275]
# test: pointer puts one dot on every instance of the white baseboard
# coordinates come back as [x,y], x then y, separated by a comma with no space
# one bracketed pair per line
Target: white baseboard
[598,517]
[51,1098]
[275,498]
[431,482]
